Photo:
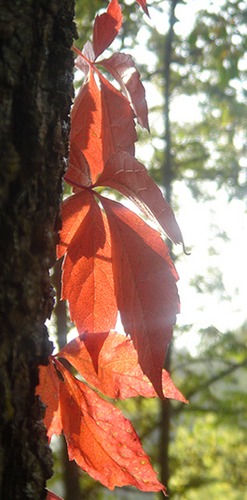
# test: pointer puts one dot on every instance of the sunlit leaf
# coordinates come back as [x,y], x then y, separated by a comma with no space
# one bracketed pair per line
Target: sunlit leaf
[49,392]
[128,176]
[122,68]
[145,287]
[106,27]
[118,373]
[87,278]
[101,440]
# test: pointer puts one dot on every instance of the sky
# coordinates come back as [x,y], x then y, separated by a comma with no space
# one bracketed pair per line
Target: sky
[216,233]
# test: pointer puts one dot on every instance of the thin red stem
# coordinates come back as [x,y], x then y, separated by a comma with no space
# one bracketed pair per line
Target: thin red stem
[76,184]
[90,63]
[75,49]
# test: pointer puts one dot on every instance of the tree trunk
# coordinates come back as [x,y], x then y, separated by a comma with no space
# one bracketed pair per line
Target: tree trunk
[35,97]
[167,178]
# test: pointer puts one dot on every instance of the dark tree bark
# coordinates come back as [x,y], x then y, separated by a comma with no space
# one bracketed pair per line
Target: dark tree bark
[35,97]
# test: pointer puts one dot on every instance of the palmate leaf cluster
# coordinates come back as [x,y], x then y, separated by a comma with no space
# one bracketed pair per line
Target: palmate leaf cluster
[207,450]
[113,261]
[208,447]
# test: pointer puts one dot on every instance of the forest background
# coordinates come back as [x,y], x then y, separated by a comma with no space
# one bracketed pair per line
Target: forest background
[193,63]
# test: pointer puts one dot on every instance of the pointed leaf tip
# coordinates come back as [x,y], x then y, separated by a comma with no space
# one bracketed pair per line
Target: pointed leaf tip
[52,496]
[101,440]
[106,27]
[113,368]
[122,68]
[145,286]
[128,176]
[143,5]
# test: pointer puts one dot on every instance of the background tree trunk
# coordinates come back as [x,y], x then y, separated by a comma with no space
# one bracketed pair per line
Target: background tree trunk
[36,89]
[168,175]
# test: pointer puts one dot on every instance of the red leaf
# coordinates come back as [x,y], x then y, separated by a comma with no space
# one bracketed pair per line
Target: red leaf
[118,126]
[145,287]
[122,68]
[143,5]
[81,62]
[74,209]
[93,344]
[78,173]
[128,176]
[118,375]
[48,390]
[52,496]
[102,123]
[106,27]
[101,440]
[87,279]
[86,126]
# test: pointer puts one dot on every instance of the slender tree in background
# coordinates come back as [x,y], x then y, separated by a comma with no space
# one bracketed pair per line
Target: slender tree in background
[208,63]
[168,175]
[208,66]
[36,89]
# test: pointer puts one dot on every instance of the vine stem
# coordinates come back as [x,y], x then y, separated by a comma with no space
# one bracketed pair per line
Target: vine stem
[75,49]
[77,184]
[91,64]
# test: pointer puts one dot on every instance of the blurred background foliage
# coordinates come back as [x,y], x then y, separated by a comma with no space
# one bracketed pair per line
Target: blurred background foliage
[199,450]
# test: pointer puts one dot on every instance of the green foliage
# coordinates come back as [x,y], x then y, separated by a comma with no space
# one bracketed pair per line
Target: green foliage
[209,450]
[208,66]
[212,464]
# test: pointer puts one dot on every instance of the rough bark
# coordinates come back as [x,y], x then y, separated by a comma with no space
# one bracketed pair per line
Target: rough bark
[35,97]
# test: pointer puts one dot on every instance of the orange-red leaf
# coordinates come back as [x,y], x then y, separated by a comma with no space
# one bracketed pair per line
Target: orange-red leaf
[86,126]
[145,287]
[118,126]
[118,373]
[87,279]
[128,176]
[78,173]
[74,209]
[106,27]
[52,496]
[101,440]
[143,5]
[83,63]
[122,68]
[102,123]
[48,390]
